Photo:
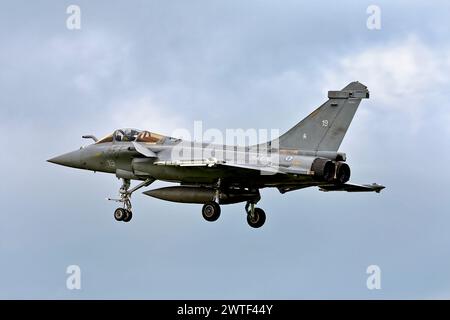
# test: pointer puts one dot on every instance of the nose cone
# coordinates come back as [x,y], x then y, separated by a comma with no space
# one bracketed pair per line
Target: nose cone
[71,159]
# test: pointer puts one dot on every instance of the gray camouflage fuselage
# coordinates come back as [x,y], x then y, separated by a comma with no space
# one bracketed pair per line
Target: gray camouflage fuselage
[306,155]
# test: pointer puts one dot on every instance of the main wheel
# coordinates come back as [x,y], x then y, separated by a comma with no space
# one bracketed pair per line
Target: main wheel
[211,211]
[128,216]
[120,214]
[258,219]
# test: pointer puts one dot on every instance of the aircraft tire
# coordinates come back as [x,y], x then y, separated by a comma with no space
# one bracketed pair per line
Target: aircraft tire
[211,211]
[128,216]
[258,220]
[120,214]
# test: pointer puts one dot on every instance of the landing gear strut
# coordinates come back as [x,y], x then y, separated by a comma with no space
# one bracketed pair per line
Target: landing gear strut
[255,216]
[211,209]
[125,214]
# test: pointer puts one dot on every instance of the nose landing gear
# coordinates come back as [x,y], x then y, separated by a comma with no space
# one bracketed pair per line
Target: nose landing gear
[125,214]
[122,214]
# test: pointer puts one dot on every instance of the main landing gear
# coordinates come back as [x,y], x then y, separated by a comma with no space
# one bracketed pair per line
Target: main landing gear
[255,216]
[125,214]
[211,211]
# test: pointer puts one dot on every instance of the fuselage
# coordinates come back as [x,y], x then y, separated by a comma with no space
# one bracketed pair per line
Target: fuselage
[214,174]
[192,163]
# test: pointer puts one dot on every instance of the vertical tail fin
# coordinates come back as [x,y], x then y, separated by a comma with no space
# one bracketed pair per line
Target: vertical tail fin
[325,128]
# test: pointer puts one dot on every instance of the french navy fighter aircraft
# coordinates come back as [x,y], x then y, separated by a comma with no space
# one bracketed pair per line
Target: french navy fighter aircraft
[212,174]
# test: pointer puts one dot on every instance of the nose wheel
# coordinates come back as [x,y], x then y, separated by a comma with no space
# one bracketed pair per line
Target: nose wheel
[121,214]
[125,214]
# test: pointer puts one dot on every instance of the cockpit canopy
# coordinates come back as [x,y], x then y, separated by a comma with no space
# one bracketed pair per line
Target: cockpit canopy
[128,135]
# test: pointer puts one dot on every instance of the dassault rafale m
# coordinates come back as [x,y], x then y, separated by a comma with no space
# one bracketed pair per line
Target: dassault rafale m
[215,174]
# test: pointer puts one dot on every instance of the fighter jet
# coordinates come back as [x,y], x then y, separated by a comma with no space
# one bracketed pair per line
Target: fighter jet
[215,174]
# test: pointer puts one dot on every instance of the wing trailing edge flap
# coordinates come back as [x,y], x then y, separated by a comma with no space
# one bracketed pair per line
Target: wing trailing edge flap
[349,187]
[263,169]
[267,169]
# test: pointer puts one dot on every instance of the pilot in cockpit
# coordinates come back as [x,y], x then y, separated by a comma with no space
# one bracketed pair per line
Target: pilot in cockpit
[129,135]
[118,135]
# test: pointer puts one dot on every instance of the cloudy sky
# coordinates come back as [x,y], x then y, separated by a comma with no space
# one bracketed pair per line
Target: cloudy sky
[161,65]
